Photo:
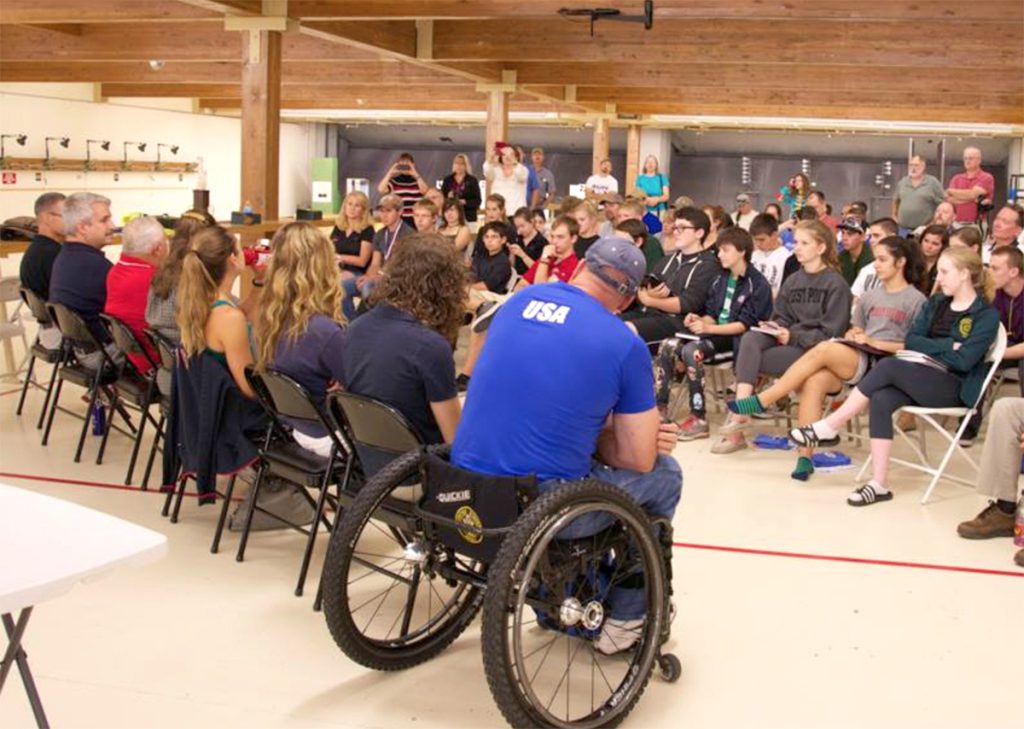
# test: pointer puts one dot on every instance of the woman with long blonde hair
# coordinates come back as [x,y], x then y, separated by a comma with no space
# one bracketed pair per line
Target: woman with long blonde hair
[299,323]
[352,237]
[955,330]
[813,305]
[209,319]
[462,186]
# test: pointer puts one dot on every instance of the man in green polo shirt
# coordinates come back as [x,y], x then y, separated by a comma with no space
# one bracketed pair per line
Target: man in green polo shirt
[855,253]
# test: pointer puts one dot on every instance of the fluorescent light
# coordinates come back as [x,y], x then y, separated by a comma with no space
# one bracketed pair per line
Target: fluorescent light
[842,125]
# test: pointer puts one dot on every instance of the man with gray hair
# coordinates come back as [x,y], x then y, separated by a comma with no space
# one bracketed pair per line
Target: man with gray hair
[970,187]
[37,263]
[143,247]
[79,278]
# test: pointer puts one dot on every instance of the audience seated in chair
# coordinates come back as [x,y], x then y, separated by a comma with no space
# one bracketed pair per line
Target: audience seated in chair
[770,256]
[678,284]
[37,263]
[352,237]
[813,306]
[881,319]
[956,328]
[79,276]
[299,322]
[400,351]
[143,247]
[738,299]
[1000,471]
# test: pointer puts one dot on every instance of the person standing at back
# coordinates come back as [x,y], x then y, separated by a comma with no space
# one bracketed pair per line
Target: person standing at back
[970,187]
[916,197]
[404,180]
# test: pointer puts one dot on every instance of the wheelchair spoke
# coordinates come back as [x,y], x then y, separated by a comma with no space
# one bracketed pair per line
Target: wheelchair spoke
[571,656]
[383,598]
[410,604]
[379,569]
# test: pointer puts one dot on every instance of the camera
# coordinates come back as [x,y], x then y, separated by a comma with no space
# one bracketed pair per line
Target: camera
[651,281]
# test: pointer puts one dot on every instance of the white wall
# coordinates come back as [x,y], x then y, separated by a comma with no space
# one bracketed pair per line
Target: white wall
[58,110]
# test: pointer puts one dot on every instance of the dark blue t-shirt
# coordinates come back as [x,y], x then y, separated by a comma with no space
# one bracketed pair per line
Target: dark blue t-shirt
[313,360]
[556,364]
[79,281]
[391,357]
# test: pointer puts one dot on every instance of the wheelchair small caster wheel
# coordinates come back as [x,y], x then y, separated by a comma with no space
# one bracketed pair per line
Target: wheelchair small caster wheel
[669,667]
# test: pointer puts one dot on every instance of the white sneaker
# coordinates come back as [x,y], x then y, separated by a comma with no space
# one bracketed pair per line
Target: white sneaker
[618,635]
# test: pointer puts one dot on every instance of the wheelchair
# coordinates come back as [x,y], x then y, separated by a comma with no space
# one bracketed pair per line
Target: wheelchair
[424,546]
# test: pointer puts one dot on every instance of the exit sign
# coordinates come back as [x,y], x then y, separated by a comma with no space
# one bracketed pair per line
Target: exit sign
[10,178]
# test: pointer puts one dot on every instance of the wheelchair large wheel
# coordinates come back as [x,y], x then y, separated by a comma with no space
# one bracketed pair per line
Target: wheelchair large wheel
[391,597]
[548,598]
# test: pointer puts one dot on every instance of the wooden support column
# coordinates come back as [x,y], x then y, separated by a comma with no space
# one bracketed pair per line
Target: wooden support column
[632,157]
[261,120]
[600,143]
[497,121]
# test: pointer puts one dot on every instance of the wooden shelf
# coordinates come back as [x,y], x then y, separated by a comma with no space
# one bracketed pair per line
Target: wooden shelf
[65,164]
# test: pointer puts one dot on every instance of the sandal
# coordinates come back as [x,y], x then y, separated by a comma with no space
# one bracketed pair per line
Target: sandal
[867,495]
[804,436]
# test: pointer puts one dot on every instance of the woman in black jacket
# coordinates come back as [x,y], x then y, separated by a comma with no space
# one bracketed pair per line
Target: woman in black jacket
[461,185]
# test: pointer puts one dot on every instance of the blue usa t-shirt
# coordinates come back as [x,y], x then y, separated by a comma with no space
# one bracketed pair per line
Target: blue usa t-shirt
[555,365]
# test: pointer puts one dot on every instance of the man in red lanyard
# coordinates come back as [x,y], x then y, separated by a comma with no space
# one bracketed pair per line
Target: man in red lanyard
[389,212]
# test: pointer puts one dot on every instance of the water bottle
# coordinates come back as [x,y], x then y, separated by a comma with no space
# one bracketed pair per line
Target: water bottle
[247,208]
[98,419]
[1018,524]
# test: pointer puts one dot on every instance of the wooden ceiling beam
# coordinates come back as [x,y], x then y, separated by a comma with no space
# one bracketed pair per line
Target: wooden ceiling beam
[930,44]
[101,11]
[352,104]
[821,111]
[328,73]
[664,9]
[341,90]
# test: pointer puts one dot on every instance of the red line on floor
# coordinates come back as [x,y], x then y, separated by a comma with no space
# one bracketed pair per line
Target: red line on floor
[92,484]
[853,560]
[682,545]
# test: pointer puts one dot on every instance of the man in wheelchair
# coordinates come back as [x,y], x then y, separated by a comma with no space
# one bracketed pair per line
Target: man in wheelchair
[565,390]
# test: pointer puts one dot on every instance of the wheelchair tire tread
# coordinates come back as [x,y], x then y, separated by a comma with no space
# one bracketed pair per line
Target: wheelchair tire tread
[493,639]
[339,619]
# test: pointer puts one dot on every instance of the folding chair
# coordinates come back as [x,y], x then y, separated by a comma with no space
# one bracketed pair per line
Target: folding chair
[929,415]
[134,388]
[373,426]
[165,349]
[37,351]
[77,335]
[10,325]
[285,400]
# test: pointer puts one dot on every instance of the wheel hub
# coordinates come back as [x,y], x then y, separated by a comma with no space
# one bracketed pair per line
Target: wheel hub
[593,615]
[414,552]
[572,611]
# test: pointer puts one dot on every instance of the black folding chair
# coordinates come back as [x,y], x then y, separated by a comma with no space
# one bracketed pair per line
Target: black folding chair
[134,388]
[377,431]
[287,403]
[37,306]
[165,349]
[79,338]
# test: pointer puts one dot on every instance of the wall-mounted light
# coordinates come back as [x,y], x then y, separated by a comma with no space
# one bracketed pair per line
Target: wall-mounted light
[141,146]
[20,139]
[805,167]
[745,171]
[104,145]
[172,147]
[62,141]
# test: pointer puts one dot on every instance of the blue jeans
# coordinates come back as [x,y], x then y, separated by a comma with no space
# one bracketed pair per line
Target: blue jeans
[657,492]
[348,285]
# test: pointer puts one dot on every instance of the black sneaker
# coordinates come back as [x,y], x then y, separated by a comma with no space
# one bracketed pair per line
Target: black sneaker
[484,313]
[462,382]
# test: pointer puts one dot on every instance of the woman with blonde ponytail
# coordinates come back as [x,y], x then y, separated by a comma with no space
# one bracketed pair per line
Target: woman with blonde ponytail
[209,319]
[299,324]
[955,329]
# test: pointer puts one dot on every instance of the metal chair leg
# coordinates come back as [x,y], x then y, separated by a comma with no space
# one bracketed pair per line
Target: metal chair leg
[252,511]
[138,440]
[223,514]
[313,529]
[53,410]
[152,451]
[93,392]
[177,500]
[28,383]
[49,392]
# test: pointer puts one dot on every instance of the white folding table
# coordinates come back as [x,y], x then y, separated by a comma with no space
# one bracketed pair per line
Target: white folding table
[47,546]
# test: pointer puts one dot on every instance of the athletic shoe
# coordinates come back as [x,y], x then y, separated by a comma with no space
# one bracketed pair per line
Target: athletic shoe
[734,425]
[868,494]
[618,635]
[484,313]
[991,522]
[728,445]
[693,428]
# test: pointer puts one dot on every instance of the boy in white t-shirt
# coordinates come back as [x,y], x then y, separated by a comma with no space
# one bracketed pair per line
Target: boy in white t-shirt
[769,254]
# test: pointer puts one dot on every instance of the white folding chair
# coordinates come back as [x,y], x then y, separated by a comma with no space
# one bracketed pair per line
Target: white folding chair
[11,326]
[928,416]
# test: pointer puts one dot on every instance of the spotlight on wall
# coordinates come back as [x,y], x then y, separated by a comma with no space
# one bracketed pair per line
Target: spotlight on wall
[104,145]
[20,139]
[141,146]
[62,141]
[745,171]
[156,64]
[172,147]
[805,167]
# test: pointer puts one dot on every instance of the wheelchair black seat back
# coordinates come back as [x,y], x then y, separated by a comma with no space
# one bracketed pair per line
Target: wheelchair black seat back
[403,578]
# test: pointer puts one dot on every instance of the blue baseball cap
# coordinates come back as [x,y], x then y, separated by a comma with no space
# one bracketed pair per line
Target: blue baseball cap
[623,256]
